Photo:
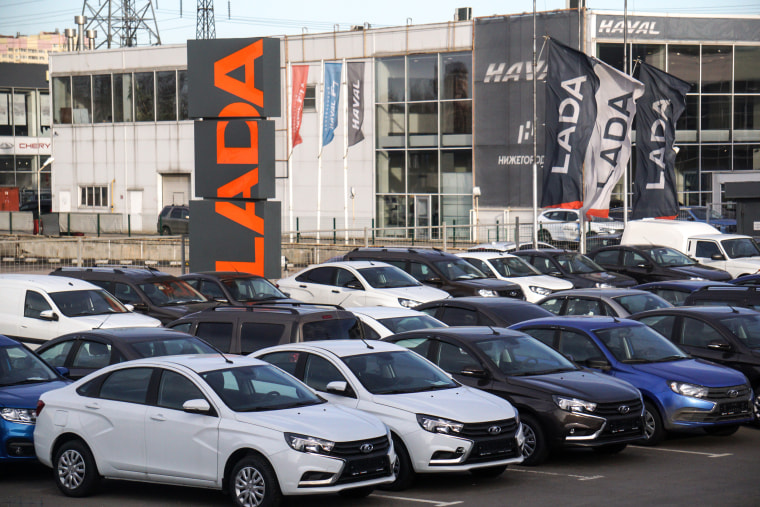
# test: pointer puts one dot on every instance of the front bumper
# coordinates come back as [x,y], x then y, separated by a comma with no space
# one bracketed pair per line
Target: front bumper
[612,423]
[723,406]
[16,442]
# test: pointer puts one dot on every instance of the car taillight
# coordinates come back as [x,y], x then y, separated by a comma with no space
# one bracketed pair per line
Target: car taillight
[40,406]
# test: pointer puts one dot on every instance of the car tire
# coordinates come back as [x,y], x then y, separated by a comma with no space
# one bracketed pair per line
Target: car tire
[722,431]
[536,448]
[756,406]
[544,235]
[610,448]
[402,467]
[166,231]
[488,472]
[254,483]
[357,492]
[76,473]
[654,432]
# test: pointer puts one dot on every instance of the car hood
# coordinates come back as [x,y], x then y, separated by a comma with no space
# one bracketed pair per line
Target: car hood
[423,294]
[614,279]
[26,395]
[178,311]
[586,385]
[109,320]
[461,404]
[550,282]
[695,371]
[328,421]
[487,283]
[700,271]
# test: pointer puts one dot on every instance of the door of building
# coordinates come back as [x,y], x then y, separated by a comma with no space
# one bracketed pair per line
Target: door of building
[422,216]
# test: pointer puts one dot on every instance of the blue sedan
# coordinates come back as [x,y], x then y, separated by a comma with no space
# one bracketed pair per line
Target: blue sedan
[23,378]
[680,393]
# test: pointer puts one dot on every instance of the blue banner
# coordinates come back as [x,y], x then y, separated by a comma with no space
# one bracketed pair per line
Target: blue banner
[332,99]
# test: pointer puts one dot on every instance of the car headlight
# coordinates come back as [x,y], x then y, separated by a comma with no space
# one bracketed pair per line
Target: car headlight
[685,389]
[487,293]
[438,425]
[305,443]
[540,290]
[602,285]
[408,303]
[574,404]
[19,415]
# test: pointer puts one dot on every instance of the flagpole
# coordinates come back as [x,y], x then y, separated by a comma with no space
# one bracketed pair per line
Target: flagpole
[345,149]
[535,131]
[289,123]
[625,70]
[321,147]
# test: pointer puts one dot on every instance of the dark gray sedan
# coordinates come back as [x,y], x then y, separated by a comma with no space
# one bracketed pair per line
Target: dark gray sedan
[612,302]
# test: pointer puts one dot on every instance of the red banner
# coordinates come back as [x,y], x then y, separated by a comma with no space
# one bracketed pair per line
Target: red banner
[300,76]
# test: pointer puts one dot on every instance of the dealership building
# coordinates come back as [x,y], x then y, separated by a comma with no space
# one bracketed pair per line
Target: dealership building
[448,119]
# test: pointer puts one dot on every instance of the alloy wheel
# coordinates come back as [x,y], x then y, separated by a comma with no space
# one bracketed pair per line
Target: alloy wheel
[250,487]
[529,447]
[71,469]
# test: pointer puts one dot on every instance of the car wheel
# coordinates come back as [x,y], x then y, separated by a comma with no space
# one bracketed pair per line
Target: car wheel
[654,433]
[535,449]
[756,406]
[75,469]
[166,231]
[253,483]
[488,472]
[357,492]
[610,448]
[402,467]
[722,431]
[544,235]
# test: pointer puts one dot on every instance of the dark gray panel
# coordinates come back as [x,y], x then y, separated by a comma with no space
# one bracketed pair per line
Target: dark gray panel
[683,29]
[23,75]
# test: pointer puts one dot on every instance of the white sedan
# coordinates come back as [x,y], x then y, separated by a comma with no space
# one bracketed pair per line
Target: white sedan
[437,424]
[216,422]
[535,285]
[359,283]
[380,321]
[563,225]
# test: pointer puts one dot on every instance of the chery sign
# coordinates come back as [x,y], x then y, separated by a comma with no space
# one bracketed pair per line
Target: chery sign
[234,85]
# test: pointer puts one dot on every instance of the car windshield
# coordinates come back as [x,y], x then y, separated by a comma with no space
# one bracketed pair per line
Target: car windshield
[171,292]
[397,372]
[664,256]
[523,355]
[387,277]
[410,323]
[172,347]
[78,303]
[458,269]
[740,247]
[253,289]
[18,366]
[513,267]
[701,214]
[745,327]
[639,344]
[635,303]
[330,328]
[577,263]
[255,388]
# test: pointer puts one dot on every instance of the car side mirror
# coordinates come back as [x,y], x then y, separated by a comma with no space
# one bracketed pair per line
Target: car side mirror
[474,372]
[354,284]
[598,364]
[554,273]
[718,257]
[197,406]
[434,280]
[140,307]
[129,307]
[644,265]
[338,387]
[719,345]
[220,300]
[48,315]
[62,371]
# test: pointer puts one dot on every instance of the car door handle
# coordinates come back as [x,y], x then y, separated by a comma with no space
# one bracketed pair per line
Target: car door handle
[335,291]
[158,417]
[302,286]
[94,406]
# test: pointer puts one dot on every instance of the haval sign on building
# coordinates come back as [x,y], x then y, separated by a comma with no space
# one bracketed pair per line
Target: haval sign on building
[234,85]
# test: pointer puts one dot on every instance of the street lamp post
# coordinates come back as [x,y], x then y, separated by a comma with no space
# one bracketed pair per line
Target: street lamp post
[39,197]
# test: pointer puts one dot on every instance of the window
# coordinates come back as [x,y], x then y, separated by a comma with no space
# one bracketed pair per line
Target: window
[209,289]
[310,98]
[218,334]
[129,385]
[144,110]
[453,359]
[418,345]
[34,304]
[706,249]
[258,335]
[92,355]
[122,98]
[166,95]
[286,361]
[125,293]
[459,316]
[82,100]
[101,99]
[696,333]
[578,346]
[420,271]
[554,305]
[319,372]
[322,276]
[582,306]
[56,355]
[633,259]
[184,112]
[94,197]
[62,100]
[663,324]
[175,389]
[545,336]
[344,278]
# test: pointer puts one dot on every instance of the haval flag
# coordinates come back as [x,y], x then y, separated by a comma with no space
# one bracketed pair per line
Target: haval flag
[300,76]
[332,99]
[610,145]
[355,72]
[570,114]
[663,103]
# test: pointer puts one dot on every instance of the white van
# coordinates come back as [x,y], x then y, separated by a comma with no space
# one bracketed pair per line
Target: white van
[735,253]
[37,308]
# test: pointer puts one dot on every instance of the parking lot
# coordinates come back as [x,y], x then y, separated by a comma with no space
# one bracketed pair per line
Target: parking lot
[684,470]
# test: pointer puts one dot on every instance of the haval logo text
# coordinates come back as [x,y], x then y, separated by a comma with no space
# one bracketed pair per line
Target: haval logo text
[611,26]
[520,71]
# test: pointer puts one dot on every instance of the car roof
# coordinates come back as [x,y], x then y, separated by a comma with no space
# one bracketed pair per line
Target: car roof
[463,332]
[601,292]
[48,283]
[585,322]
[706,310]
[485,255]
[401,252]
[287,308]
[546,251]
[139,273]
[127,334]
[353,264]
[481,301]
[384,312]
[686,284]
[5,341]
[341,348]
[221,275]
[199,363]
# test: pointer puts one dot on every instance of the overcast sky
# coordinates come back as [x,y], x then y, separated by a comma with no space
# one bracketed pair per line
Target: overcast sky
[252,18]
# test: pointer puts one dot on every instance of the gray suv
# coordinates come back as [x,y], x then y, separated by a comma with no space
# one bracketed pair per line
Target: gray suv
[173,220]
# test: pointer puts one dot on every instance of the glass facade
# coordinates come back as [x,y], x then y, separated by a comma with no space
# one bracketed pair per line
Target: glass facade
[423,129]
[720,129]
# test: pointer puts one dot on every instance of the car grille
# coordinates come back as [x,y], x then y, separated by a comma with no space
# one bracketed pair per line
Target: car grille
[507,427]
[351,449]
[363,466]
[614,409]
[511,293]
[488,445]
[720,394]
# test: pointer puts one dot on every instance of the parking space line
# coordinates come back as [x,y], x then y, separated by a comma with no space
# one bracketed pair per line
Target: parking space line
[436,503]
[708,454]
[579,477]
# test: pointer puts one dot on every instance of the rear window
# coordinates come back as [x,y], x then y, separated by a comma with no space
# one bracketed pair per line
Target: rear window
[258,335]
[332,329]
[218,334]
[172,347]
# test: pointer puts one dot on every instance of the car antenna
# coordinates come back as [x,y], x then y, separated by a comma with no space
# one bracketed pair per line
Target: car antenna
[361,330]
[103,321]
[493,330]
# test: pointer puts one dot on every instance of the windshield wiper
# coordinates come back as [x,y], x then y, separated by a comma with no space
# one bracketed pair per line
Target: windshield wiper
[669,358]
[35,380]
[549,372]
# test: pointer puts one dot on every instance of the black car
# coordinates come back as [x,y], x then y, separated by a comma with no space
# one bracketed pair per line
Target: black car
[675,292]
[747,280]
[173,220]
[747,296]
[560,404]
[234,287]
[246,329]
[654,263]
[86,351]
[479,311]
[725,335]
[575,267]
[440,270]
[160,295]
